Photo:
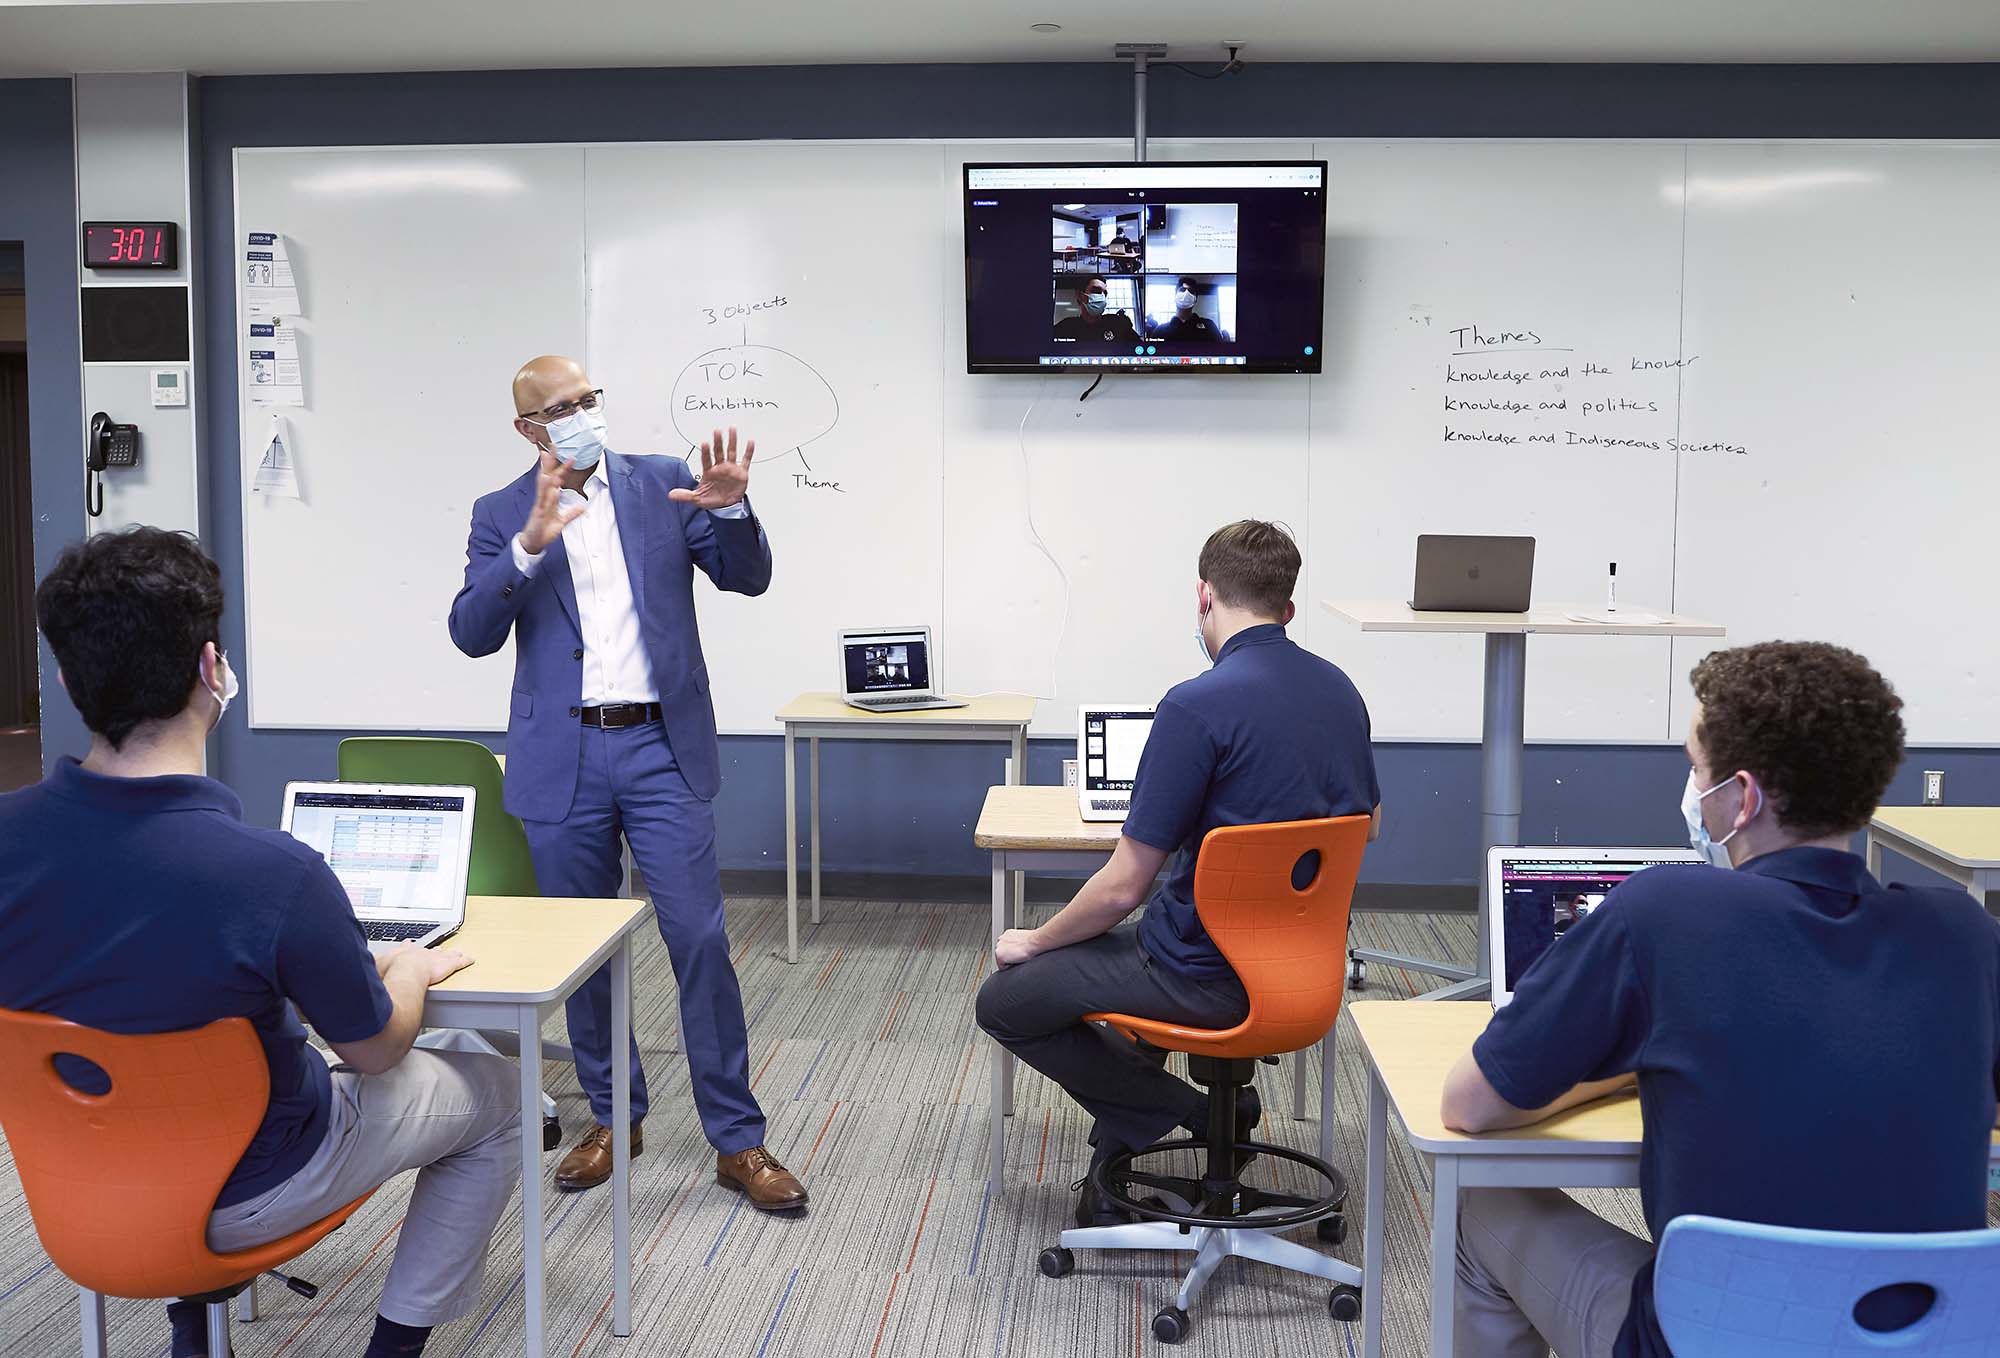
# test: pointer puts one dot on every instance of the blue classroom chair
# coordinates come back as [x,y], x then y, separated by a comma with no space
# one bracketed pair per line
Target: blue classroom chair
[1732,1289]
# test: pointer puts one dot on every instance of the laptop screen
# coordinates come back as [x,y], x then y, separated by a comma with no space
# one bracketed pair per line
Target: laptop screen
[396,854]
[1112,744]
[1541,897]
[887,662]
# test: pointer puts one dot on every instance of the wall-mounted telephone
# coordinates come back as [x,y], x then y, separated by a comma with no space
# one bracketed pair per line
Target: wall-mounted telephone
[110,445]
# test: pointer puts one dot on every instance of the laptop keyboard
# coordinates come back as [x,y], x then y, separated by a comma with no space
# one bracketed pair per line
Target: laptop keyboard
[906,700]
[1123,804]
[395,931]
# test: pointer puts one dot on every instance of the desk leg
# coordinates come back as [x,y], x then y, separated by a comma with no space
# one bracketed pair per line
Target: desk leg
[1444,1252]
[1001,1095]
[1018,775]
[812,800]
[1329,1084]
[621,1138]
[1983,882]
[791,847]
[528,1022]
[1373,1228]
[1874,855]
[1299,1059]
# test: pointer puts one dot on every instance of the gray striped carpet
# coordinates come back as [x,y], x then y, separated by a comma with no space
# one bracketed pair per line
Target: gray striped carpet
[866,1061]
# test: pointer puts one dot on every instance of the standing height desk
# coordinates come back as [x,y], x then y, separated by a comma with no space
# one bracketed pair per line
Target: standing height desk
[1502,741]
[1039,829]
[1410,1048]
[1001,718]
[1959,842]
[529,954]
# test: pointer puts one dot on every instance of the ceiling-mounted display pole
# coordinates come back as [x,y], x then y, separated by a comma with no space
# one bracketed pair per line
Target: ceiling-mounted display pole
[1139,53]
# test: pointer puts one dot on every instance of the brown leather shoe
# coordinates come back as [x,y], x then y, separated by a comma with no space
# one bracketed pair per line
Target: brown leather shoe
[589,1162]
[771,1187]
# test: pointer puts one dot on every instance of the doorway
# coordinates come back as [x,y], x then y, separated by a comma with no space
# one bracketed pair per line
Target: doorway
[20,695]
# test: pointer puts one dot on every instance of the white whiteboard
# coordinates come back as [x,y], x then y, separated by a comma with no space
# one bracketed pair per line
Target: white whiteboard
[1815,306]
[415,323]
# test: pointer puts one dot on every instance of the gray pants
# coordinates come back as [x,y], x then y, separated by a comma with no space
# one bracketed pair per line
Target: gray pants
[454,1117]
[1536,1271]
[1035,1010]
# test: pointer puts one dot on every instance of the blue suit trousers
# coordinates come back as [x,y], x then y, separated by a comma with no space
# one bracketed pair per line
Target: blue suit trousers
[629,784]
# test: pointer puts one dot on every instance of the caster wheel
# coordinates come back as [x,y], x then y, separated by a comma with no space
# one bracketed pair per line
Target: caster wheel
[1357,974]
[551,1133]
[1171,1325]
[1056,1262]
[1332,1230]
[1344,1303]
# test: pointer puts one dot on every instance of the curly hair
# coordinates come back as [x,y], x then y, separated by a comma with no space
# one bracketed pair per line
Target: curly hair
[1817,725]
[127,615]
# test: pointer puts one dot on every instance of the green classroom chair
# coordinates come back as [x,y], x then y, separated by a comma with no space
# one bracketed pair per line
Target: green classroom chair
[501,865]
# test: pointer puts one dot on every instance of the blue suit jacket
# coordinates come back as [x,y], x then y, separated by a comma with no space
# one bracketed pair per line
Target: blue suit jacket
[664,541]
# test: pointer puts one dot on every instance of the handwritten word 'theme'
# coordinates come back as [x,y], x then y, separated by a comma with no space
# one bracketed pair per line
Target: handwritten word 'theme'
[805,482]
[1471,336]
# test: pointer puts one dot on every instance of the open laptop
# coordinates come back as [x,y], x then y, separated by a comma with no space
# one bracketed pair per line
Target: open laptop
[890,669]
[1533,896]
[402,850]
[1109,740]
[1473,574]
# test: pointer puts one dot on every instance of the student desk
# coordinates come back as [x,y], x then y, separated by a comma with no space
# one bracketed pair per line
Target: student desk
[1039,829]
[1502,742]
[1000,718]
[1410,1048]
[1959,842]
[529,954]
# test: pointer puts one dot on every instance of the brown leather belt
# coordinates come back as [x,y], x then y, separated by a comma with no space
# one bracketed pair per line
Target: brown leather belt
[618,716]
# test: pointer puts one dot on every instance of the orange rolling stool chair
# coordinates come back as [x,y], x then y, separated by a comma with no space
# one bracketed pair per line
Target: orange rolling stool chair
[121,1184]
[1274,898]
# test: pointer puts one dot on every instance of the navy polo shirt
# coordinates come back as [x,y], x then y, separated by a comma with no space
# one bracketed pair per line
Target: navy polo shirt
[146,905]
[1812,1049]
[1270,732]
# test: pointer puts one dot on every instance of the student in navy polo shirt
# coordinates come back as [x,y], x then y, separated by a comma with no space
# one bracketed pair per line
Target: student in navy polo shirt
[1810,1048]
[134,899]
[1268,732]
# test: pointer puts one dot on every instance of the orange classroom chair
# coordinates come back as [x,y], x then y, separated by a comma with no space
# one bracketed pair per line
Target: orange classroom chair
[1275,900]
[121,1184]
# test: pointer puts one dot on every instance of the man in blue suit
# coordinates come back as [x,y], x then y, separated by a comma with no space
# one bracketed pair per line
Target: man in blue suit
[588,559]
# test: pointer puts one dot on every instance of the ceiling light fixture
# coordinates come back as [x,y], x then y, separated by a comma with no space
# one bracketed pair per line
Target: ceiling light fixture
[1046,28]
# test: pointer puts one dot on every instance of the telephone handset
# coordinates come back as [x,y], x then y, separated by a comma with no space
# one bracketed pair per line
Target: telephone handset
[110,445]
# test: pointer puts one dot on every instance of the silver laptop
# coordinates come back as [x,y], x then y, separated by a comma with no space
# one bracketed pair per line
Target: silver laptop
[1473,574]
[890,669]
[1533,896]
[1109,740]
[401,850]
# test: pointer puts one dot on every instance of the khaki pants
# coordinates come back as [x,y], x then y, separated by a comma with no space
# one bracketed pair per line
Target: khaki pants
[1536,1271]
[454,1117]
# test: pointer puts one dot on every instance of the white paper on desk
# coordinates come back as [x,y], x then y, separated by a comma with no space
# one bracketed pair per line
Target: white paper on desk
[276,472]
[1615,617]
[271,370]
[268,286]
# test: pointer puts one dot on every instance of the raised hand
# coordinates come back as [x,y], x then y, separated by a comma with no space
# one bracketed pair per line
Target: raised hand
[547,518]
[725,478]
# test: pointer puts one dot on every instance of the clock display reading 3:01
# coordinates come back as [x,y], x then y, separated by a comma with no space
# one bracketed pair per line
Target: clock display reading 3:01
[131,245]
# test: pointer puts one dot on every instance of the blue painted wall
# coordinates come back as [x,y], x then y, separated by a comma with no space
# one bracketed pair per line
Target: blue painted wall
[38,208]
[911,808]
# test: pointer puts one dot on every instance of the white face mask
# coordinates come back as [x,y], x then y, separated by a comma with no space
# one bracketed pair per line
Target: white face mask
[578,438]
[230,687]
[1184,300]
[1200,641]
[1713,849]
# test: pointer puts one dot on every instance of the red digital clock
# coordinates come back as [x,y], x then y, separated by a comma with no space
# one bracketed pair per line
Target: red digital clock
[131,245]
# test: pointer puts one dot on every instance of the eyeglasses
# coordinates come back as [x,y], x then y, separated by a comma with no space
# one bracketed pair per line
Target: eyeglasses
[562,410]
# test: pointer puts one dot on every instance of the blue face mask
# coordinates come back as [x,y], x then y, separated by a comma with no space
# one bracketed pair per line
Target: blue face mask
[1200,641]
[1095,302]
[578,438]
[1715,850]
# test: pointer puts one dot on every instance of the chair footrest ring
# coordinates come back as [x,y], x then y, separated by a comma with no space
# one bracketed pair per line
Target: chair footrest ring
[1241,1205]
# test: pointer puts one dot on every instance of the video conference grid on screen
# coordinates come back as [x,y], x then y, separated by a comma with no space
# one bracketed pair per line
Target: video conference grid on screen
[1194,267]
[888,662]
[1540,901]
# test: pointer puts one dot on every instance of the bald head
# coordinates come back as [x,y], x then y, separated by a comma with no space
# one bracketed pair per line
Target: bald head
[546,381]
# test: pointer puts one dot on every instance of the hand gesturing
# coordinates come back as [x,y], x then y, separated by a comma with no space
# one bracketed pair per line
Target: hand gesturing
[548,518]
[725,478]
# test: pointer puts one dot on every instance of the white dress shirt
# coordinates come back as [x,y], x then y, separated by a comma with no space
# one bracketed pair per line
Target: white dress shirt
[616,668]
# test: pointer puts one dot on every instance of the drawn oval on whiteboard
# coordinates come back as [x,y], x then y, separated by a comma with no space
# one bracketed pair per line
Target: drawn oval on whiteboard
[772,396]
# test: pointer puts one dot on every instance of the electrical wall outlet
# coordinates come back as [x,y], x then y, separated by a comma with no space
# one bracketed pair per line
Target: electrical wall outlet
[1069,773]
[1933,787]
